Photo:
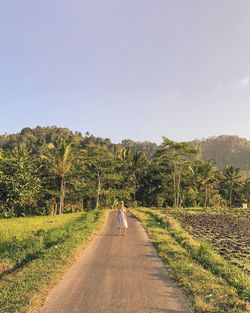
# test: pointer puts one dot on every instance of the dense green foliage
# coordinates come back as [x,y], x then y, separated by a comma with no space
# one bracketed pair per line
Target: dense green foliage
[50,170]
[19,181]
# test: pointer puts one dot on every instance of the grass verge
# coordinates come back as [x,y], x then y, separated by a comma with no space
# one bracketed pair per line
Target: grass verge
[208,292]
[206,255]
[26,286]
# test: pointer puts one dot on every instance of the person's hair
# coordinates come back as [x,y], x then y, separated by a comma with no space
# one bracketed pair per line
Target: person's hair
[121,203]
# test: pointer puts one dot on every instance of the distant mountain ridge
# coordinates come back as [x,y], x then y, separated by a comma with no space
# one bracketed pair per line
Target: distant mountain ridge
[225,150]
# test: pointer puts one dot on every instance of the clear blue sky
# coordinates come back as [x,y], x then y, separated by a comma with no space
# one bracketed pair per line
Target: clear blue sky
[138,69]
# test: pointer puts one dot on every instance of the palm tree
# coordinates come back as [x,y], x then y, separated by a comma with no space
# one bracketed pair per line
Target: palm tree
[135,163]
[100,167]
[177,157]
[246,190]
[60,161]
[231,179]
[138,165]
[205,178]
[124,154]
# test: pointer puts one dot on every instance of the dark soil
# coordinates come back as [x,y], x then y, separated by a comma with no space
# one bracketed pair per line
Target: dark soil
[228,233]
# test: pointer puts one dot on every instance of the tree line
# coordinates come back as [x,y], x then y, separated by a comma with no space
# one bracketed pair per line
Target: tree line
[51,170]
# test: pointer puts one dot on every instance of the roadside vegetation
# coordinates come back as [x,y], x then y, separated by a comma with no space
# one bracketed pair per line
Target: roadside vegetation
[38,254]
[210,281]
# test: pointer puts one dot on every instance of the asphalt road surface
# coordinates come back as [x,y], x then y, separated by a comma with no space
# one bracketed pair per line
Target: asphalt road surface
[117,275]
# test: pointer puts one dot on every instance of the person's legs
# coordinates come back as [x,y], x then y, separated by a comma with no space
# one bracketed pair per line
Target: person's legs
[119,231]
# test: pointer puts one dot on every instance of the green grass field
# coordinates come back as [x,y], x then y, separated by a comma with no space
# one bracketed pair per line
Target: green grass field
[34,251]
[212,283]
[23,227]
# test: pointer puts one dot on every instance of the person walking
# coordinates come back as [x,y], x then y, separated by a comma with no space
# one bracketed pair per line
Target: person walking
[122,223]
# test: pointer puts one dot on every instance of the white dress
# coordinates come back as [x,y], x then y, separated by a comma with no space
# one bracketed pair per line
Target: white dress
[122,219]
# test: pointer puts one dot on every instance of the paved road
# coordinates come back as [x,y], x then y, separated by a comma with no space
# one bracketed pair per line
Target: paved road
[117,275]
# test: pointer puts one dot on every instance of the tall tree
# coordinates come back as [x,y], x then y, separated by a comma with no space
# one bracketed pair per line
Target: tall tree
[135,164]
[230,181]
[139,162]
[60,161]
[204,180]
[100,168]
[177,158]
[246,191]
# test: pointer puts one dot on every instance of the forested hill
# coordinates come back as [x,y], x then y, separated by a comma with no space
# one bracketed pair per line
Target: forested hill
[226,150]
[37,138]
